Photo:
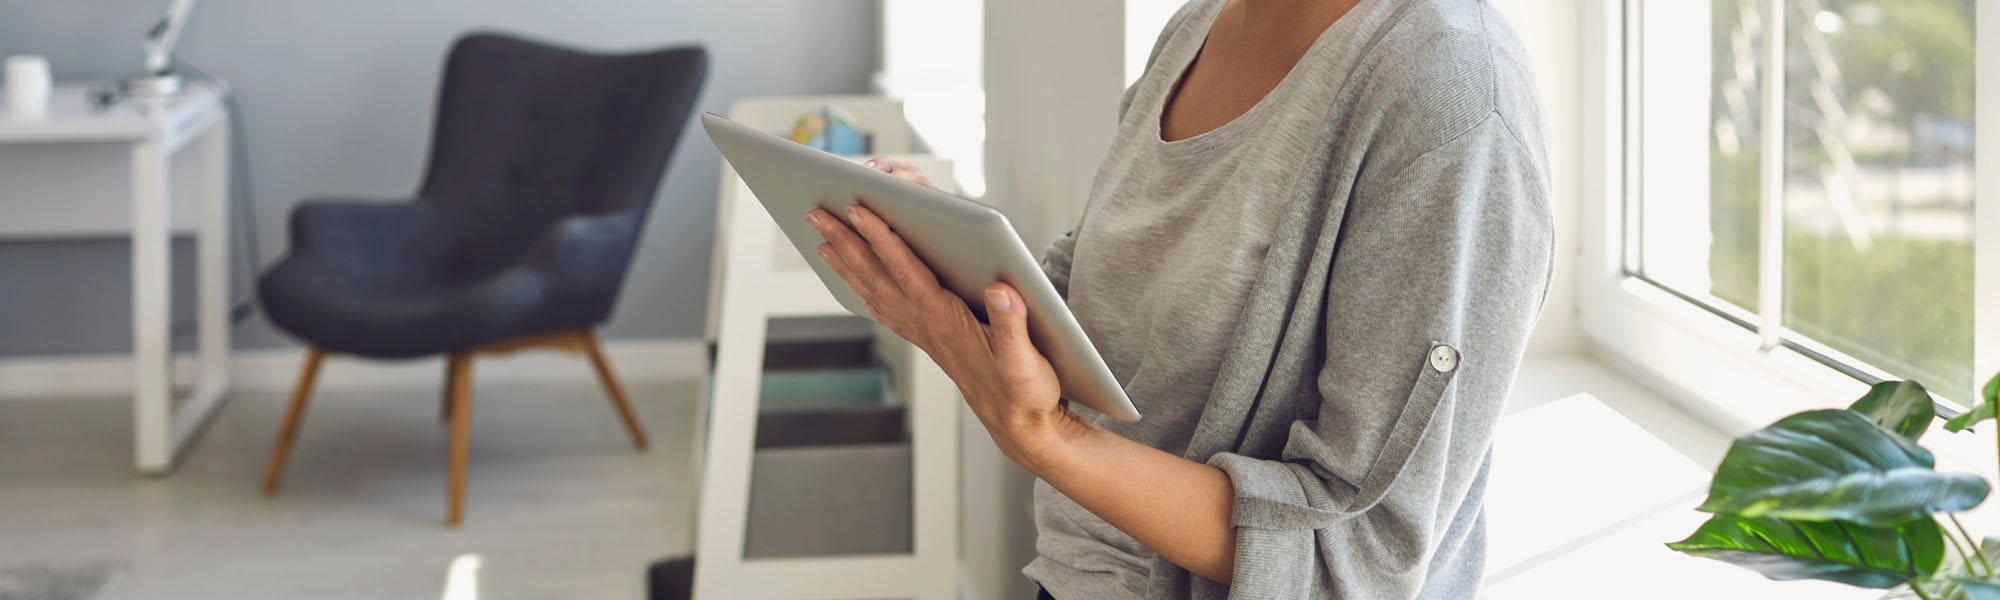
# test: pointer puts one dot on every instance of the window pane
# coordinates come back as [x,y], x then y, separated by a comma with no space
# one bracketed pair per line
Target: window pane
[1878,172]
[1878,183]
[1698,143]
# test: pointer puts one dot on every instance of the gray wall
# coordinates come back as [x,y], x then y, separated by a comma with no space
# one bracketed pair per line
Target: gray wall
[335,99]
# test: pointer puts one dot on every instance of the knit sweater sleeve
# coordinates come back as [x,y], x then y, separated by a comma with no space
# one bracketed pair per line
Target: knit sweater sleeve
[1439,278]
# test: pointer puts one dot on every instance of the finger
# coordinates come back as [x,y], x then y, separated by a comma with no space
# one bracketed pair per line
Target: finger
[1007,318]
[913,176]
[900,168]
[889,164]
[903,265]
[864,271]
[911,173]
[832,260]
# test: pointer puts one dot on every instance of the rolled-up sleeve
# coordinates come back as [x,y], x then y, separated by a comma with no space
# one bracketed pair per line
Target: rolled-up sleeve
[1439,276]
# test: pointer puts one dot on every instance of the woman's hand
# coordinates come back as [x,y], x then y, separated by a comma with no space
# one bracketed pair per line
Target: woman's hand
[1005,380]
[900,168]
[1179,508]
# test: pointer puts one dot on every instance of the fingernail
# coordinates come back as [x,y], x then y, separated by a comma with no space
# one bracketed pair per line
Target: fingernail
[853,211]
[812,218]
[822,252]
[996,300]
[870,163]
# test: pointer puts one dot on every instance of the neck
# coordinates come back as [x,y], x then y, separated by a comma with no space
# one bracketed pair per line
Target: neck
[1290,17]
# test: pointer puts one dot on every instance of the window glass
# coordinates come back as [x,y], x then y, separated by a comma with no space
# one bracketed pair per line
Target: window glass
[1878,172]
[1878,183]
[1699,140]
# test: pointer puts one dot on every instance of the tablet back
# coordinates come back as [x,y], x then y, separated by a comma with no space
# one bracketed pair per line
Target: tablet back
[969,245]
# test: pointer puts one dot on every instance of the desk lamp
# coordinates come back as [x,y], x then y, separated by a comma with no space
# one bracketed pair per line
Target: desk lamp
[160,80]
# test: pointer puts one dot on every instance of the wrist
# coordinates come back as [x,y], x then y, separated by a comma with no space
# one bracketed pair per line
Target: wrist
[1044,446]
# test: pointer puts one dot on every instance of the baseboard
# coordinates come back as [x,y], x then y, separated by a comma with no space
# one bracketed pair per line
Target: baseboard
[278,369]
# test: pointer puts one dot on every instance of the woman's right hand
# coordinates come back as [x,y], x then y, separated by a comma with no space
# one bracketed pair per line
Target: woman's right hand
[900,168]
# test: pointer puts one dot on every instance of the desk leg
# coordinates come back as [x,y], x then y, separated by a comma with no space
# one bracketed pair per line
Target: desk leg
[152,311]
[213,251]
[212,287]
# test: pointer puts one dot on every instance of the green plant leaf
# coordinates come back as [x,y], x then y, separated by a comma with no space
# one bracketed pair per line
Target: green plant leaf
[1975,589]
[1982,412]
[1900,406]
[1827,465]
[1960,579]
[1877,556]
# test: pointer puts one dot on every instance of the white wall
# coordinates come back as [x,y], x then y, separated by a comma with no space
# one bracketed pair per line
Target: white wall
[335,100]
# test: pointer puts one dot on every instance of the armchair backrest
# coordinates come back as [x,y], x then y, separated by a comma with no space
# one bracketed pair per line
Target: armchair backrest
[528,133]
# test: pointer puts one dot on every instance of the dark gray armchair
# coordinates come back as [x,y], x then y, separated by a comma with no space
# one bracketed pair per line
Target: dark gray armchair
[544,162]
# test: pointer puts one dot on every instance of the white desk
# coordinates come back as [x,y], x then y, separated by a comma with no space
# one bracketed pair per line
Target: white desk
[194,120]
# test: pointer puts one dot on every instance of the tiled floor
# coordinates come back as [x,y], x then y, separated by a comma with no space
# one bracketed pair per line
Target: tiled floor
[559,505]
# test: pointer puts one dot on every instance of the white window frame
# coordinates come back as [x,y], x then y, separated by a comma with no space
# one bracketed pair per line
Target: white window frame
[1733,377]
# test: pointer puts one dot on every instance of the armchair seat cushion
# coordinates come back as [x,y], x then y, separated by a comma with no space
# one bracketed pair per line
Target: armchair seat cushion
[376,316]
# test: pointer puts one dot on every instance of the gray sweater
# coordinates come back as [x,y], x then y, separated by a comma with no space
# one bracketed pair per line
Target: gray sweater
[1326,298]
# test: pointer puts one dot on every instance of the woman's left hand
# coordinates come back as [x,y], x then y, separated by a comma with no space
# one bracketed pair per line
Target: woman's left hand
[1008,383]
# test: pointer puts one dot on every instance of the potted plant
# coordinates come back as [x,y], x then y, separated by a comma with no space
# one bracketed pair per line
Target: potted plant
[1848,495]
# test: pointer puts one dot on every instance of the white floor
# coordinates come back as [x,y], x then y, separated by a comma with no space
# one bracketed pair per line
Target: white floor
[1592,476]
[559,504]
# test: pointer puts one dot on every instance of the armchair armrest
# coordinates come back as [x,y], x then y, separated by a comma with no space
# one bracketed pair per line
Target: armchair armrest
[585,251]
[388,238]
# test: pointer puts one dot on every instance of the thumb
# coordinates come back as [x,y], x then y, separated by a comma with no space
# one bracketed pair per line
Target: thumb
[1007,318]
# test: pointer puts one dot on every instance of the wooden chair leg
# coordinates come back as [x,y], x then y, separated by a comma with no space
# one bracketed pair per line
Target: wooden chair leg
[288,431]
[460,392]
[444,400]
[613,389]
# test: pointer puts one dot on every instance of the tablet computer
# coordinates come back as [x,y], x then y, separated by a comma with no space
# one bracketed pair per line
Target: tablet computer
[969,245]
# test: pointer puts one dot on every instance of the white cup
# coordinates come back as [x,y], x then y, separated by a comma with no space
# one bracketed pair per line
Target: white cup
[28,84]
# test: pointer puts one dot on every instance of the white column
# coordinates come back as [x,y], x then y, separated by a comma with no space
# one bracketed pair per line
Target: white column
[1054,74]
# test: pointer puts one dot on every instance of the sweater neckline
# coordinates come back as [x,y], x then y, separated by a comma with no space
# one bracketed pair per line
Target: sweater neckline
[1223,135]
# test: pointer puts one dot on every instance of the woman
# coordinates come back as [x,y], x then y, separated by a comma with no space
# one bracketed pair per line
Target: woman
[1313,255]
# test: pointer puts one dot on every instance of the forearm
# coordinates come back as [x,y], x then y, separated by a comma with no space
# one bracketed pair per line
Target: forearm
[1175,506]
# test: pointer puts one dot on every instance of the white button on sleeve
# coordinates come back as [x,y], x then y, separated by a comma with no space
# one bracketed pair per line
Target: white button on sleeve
[1443,358]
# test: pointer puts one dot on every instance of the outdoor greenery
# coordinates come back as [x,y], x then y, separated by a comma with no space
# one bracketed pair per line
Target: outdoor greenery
[1848,495]
[1835,294]
[1919,325]
[1904,301]
[1878,95]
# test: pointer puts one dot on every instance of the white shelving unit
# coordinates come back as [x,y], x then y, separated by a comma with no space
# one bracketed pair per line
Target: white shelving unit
[757,277]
